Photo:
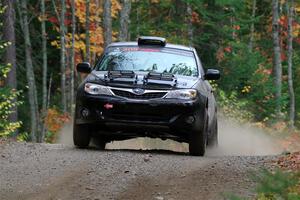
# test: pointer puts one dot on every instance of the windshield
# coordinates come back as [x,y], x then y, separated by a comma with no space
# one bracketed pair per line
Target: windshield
[161,60]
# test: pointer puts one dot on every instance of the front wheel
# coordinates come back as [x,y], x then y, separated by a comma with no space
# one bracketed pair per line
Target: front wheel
[81,136]
[213,139]
[198,140]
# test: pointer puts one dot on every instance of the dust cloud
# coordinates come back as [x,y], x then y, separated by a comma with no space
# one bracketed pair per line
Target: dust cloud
[244,140]
[234,140]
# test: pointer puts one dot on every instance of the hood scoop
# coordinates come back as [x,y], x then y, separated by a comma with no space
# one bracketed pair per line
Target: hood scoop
[121,77]
[153,78]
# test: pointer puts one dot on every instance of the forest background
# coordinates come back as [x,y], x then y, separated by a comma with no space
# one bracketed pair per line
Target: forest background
[254,43]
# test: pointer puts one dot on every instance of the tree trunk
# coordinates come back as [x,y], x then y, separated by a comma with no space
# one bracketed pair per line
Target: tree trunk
[233,21]
[189,24]
[252,29]
[290,11]
[124,20]
[138,13]
[277,59]
[107,23]
[73,52]
[87,31]
[10,53]
[63,56]
[97,24]
[45,68]
[179,15]
[32,92]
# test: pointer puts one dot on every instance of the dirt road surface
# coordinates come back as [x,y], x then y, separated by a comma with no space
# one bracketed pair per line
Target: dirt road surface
[60,171]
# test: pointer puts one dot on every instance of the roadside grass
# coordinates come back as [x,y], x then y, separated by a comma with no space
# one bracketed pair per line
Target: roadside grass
[280,183]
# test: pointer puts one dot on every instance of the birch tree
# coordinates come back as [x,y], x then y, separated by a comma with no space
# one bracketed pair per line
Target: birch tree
[277,57]
[45,66]
[87,31]
[290,11]
[107,23]
[73,10]
[97,25]
[61,18]
[189,24]
[32,91]
[124,20]
[252,28]
[63,56]
[10,53]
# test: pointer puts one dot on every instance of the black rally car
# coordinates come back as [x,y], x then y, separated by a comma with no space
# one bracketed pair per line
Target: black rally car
[147,88]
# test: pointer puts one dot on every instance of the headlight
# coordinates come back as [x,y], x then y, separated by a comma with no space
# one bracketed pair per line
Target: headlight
[95,89]
[186,94]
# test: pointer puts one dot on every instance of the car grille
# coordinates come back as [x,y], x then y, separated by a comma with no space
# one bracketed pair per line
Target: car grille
[130,95]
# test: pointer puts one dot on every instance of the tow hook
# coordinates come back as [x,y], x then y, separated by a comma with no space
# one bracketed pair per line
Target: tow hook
[108,106]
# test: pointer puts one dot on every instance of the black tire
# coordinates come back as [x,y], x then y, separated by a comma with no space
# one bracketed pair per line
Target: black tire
[198,141]
[213,140]
[81,136]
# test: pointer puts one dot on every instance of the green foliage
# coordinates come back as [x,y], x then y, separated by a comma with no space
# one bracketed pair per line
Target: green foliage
[275,185]
[233,107]
[22,137]
[221,34]
[7,102]
[7,96]
[50,137]
[248,75]
[233,197]
[297,83]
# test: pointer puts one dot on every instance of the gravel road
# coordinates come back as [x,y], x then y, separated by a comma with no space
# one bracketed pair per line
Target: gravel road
[60,171]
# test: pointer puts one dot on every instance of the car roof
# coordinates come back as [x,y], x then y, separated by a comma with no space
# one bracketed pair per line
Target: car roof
[168,45]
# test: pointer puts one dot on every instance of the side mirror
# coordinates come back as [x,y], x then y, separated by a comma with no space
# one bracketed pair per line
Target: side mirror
[212,74]
[84,67]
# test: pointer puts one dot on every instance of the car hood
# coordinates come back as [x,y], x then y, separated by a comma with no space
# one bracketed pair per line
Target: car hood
[182,82]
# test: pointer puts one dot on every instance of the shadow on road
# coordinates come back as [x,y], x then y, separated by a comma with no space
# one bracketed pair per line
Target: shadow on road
[143,151]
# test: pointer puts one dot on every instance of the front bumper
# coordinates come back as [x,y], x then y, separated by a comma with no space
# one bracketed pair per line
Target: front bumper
[114,114]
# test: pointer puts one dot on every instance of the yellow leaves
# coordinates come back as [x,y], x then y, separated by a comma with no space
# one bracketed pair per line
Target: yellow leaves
[82,36]
[96,41]
[115,8]
[56,28]
[95,12]
[213,84]
[96,36]
[9,128]
[42,17]
[55,43]
[76,37]
[96,32]
[79,45]
[246,89]
[296,30]
[297,7]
